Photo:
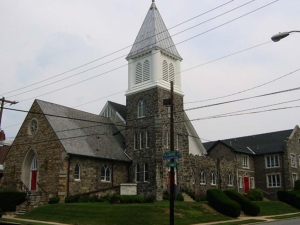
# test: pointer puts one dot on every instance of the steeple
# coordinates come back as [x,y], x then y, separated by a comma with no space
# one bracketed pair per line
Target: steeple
[153,34]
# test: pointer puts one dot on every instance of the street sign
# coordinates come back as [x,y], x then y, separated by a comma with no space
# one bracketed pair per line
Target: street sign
[173,164]
[171,155]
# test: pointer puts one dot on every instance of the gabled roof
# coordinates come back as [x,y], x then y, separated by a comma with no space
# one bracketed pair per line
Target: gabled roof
[96,139]
[121,109]
[153,34]
[258,144]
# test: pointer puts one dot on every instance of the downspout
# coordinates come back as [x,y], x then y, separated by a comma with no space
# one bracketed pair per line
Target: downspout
[68,175]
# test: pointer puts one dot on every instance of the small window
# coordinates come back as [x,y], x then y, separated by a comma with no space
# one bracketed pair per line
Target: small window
[137,172]
[252,183]
[293,160]
[212,178]
[165,71]
[134,142]
[33,164]
[77,172]
[273,180]
[141,141]
[294,178]
[230,180]
[105,173]
[272,161]
[138,74]
[146,71]
[169,111]
[202,177]
[146,173]
[167,139]
[245,161]
[141,108]
[147,140]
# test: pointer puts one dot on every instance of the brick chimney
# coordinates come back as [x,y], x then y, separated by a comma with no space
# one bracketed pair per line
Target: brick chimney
[2,135]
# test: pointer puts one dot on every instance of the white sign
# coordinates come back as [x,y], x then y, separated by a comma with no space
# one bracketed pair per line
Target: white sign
[128,189]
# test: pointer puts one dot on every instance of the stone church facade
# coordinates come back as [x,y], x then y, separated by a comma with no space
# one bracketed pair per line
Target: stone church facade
[60,151]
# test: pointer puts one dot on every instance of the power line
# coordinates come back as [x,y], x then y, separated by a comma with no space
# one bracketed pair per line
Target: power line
[153,53]
[119,49]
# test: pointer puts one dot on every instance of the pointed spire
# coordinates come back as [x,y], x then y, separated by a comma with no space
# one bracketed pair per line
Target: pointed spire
[153,34]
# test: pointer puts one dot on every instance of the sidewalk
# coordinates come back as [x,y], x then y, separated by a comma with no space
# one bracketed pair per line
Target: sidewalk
[36,221]
[243,218]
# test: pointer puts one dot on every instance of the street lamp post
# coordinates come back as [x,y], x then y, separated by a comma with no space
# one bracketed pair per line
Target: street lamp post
[278,37]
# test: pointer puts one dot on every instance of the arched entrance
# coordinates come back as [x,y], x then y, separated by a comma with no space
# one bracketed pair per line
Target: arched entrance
[30,170]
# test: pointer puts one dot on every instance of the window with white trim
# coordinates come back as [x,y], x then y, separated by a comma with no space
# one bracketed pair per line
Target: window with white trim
[245,161]
[202,177]
[212,178]
[273,180]
[293,160]
[137,172]
[135,141]
[230,180]
[252,183]
[294,178]
[77,172]
[147,140]
[272,161]
[141,141]
[167,139]
[146,172]
[169,111]
[141,108]
[138,74]
[105,173]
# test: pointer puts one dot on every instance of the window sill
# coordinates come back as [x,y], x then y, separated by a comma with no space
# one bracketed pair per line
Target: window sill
[105,181]
[213,184]
[77,180]
[202,183]
[275,187]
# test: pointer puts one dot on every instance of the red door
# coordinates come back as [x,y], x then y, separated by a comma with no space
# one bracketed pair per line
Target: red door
[33,180]
[246,184]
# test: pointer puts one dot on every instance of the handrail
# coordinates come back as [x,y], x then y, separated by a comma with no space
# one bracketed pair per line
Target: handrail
[30,196]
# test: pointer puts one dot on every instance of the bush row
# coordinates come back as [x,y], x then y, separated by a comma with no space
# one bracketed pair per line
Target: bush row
[248,207]
[110,198]
[290,197]
[222,203]
[255,195]
[10,199]
[53,200]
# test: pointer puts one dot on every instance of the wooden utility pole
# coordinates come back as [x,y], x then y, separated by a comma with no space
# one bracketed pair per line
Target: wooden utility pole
[2,104]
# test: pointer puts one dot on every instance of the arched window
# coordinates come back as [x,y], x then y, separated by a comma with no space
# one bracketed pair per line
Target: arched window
[171,73]
[212,178]
[146,173]
[137,172]
[138,74]
[146,71]
[34,164]
[230,182]
[105,173]
[202,177]
[77,172]
[165,71]
[141,108]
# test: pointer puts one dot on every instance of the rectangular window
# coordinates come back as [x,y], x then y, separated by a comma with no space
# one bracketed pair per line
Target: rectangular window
[141,141]
[167,139]
[252,183]
[146,173]
[272,161]
[212,178]
[273,180]
[230,182]
[134,141]
[147,140]
[177,138]
[245,161]
[169,111]
[293,160]
[294,178]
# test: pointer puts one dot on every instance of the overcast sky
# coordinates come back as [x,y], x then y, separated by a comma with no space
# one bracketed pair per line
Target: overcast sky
[41,39]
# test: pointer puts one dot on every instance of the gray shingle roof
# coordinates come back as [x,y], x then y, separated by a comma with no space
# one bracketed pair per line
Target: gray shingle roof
[97,139]
[121,109]
[259,144]
[153,33]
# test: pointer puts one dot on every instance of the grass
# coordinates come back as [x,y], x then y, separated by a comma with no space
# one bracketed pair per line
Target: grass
[22,222]
[268,208]
[102,213]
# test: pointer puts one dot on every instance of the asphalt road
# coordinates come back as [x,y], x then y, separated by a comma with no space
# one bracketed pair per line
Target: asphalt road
[283,222]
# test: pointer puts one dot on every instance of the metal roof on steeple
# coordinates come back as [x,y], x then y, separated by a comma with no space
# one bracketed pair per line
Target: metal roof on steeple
[153,33]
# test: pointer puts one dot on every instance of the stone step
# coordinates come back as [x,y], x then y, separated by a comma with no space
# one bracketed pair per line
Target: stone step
[187,198]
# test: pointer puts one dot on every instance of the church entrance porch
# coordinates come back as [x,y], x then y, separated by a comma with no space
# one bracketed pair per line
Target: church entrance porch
[30,171]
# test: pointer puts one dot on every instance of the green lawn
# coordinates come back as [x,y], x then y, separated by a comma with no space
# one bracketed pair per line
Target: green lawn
[103,213]
[274,208]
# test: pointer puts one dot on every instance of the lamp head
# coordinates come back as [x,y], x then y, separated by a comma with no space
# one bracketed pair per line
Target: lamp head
[278,37]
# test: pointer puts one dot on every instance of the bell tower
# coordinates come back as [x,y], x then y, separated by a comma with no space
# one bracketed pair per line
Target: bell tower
[153,63]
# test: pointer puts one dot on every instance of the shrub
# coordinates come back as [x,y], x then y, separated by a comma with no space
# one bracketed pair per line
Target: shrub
[10,199]
[127,199]
[297,185]
[72,198]
[289,197]
[166,196]
[255,195]
[53,200]
[179,197]
[105,198]
[222,203]
[248,207]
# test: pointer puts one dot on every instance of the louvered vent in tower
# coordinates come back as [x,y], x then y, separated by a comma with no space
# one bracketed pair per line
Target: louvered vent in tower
[165,71]
[138,74]
[146,71]
[171,73]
